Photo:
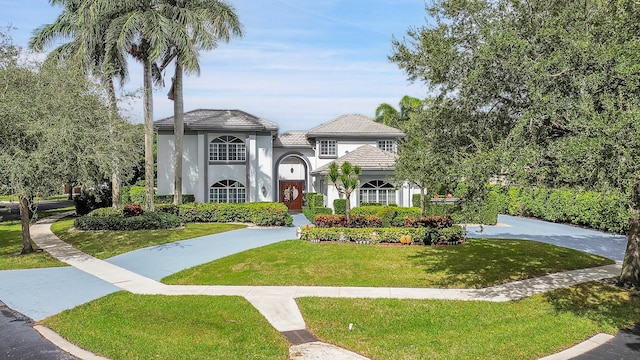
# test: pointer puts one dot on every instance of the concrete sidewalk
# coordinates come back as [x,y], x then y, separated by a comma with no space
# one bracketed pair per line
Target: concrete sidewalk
[138,272]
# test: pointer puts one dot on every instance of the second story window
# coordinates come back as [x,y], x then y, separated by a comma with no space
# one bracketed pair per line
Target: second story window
[227,148]
[328,148]
[387,145]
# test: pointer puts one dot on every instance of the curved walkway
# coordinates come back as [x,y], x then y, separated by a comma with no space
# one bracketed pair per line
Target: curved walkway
[138,272]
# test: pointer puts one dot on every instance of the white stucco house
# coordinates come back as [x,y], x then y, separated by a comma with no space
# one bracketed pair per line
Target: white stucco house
[233,156]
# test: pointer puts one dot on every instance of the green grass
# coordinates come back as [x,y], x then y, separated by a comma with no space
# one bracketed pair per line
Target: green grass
[478,263]
[11,245]
[106,244]
[53,197]
[434,329]
[126,326]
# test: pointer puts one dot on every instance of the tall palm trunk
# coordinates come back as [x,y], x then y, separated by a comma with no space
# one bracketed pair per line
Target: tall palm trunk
[24,219]
[148,135]
[113,113]
[178,130]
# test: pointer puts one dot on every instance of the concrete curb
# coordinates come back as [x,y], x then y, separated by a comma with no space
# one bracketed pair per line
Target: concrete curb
[63,344]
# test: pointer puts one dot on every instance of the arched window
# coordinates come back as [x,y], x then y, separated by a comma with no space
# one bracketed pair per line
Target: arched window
[227,148]
[378,191]
[227,191]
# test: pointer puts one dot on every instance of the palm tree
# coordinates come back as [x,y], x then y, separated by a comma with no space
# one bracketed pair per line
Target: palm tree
[206,22]
[345,178]
[140,29]
[388,115]
[86,48]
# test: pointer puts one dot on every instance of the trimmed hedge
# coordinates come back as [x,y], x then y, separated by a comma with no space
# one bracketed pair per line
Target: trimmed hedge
[465,211]
[606,210]
[315,206]
[357,221]
[340,206]
[374,235]
[147,221]
[261,214]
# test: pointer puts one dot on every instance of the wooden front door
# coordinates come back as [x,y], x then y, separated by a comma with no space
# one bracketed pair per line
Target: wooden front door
[291,194]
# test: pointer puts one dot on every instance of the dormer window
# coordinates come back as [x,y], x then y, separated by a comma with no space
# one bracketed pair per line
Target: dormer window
[388,145]
[328,148]
[227,148]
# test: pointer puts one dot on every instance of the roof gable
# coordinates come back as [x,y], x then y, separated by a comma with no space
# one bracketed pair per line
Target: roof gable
[354,125]
[367,157]
[207,119]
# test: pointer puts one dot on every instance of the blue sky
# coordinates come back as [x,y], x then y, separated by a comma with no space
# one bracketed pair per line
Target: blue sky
[300,63]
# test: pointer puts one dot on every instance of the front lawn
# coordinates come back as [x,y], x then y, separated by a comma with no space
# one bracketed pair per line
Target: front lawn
[126,326]
[433,329]
[11,245]
[106,244]
[476,264]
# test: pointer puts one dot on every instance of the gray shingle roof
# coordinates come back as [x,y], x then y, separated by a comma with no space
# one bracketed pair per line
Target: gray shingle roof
[367,157]
[351,125]
[203,119]
[292,139]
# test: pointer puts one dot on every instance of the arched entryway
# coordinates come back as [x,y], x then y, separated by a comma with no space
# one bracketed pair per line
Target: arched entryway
[292,173]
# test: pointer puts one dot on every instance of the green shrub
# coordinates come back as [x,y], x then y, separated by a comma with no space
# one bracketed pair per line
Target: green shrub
[387,214]
[105,212]
[310,213]
[454,233]
[340,206]
[168,199]
[402,214]
[374,235]
[147,221]
[357,221]
[308,198]
[90,200]
[168,208]
[317,200]
[607,210]
[262,214]
[137,195]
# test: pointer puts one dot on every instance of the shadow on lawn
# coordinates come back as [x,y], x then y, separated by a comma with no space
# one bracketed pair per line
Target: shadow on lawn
[601,302]
[481,263]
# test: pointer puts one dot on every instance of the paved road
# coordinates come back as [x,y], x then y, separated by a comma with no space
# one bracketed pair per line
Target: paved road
[21,342]
[11,210]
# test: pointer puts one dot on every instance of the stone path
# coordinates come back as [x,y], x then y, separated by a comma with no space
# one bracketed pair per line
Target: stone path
[277,303]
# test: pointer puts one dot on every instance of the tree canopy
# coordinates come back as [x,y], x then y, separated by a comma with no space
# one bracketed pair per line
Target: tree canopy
[545,91]
[55,127]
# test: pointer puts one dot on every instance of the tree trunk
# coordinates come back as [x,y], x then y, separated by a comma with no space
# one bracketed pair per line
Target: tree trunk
[421,201]
[24,219]
[630,275]
[115,190]
[178,131]
[347,207]
[148,136]
[107,82]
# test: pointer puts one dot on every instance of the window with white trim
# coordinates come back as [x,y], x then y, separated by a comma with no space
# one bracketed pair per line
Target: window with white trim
[227,148]
[328,148]
[227,191]
[378,191]
[388,145]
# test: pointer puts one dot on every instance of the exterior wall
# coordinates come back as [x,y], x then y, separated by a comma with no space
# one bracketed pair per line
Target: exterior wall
[191,167]
[263,169]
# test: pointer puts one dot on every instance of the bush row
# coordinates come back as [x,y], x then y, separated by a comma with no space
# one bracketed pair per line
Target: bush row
[261,214]
[464,211]
[606,210]
[357,221]
[374,221]
[115,222]
[385,235]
